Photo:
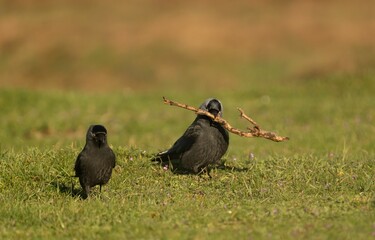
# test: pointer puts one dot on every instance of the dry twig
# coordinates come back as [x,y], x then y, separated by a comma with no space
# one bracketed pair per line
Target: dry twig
[253,132]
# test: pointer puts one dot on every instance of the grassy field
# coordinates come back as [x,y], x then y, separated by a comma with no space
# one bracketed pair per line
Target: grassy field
[320,184]
[66,65]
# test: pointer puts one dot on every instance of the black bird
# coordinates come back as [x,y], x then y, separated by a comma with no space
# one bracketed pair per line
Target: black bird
[203,143]
[95,162]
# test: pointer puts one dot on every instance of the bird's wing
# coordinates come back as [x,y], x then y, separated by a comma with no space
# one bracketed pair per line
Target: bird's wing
[78,164]
[184,143]
[113,158]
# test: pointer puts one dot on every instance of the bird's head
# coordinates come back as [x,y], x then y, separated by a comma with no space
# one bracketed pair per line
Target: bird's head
[97,134]
[213,106]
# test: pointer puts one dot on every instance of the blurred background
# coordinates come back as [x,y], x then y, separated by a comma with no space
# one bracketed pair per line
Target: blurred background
[304,69]
[145,45]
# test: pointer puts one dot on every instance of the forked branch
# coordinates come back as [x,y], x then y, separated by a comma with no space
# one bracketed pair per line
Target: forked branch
[255,131]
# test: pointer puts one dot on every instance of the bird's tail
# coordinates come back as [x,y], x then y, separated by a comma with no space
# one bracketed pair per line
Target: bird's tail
[169,160]
[160,157]
[166,158]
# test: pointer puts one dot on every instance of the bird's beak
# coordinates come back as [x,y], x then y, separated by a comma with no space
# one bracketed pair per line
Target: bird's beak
[215,112]
[100,138]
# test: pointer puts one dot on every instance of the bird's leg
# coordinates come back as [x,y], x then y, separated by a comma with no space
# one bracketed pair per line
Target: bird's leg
[208,170]
[205,170]
[86,192]
[72,182]
[100,188]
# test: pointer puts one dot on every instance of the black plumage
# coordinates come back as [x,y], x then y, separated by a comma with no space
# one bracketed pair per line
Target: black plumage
[203,143]
[95,162]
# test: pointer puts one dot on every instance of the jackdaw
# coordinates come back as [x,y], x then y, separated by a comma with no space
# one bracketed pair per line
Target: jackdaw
[95,162]
[203,143]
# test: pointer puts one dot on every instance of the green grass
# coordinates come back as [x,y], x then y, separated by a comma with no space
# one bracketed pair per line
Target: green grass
[279,197]
[318,185]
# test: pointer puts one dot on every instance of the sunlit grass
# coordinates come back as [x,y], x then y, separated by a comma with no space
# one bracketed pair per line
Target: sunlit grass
[320,184]
[279,196]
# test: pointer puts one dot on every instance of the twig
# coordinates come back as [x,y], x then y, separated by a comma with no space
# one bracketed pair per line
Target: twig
[253,132]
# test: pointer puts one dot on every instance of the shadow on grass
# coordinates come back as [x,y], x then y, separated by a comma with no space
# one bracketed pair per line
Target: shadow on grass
[232,169]
[67,189]
[204,171]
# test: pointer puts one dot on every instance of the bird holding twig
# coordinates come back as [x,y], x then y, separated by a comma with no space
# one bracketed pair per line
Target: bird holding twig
[95,162]
[203,143]
[254,131]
